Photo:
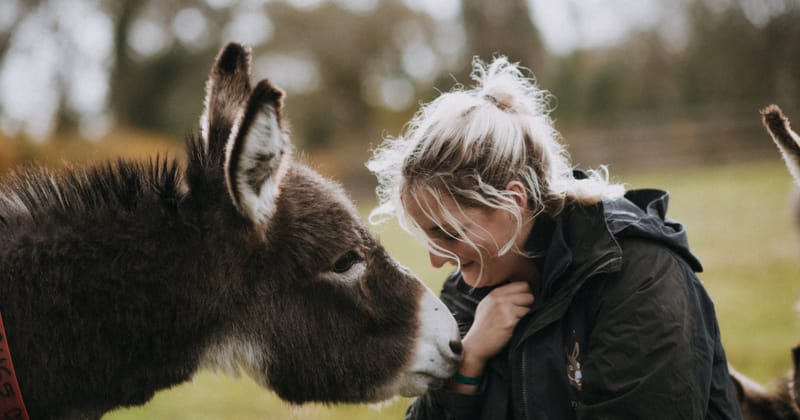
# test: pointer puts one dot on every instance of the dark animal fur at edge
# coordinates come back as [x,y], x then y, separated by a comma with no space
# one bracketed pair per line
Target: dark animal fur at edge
[116,281]
[782,401]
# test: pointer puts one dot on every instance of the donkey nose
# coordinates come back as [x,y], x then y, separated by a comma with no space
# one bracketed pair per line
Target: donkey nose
[455,346]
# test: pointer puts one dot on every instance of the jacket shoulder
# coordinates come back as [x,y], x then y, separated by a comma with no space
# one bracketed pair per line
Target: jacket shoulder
[651,272]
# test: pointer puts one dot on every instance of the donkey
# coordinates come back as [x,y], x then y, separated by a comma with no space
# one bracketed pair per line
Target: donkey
[757,402]
[121,279]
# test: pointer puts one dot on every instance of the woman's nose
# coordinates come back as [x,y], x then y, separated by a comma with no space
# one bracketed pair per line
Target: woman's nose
[437,260]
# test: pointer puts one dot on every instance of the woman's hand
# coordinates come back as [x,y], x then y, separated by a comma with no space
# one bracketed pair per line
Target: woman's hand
[495,318]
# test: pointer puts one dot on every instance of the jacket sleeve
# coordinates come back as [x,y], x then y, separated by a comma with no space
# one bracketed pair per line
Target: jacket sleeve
[445,405]
[654,349]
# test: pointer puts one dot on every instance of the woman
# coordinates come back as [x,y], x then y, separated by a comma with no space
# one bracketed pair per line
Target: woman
[576,299]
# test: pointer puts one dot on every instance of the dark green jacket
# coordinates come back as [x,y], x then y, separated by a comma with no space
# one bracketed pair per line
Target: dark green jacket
[621,328]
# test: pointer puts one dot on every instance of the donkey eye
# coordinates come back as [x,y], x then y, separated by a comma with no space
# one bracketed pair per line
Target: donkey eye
[345,262]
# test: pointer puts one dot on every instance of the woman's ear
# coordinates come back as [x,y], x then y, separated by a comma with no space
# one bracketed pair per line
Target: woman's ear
[520,193]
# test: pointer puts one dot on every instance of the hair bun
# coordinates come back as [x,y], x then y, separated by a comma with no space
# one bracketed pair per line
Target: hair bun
[502,100]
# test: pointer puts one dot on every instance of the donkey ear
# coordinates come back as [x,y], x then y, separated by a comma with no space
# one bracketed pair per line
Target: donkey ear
[787,140]
[257,154]
[227,89]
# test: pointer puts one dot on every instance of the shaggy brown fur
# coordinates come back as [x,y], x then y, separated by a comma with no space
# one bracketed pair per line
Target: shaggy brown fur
[122,279]
[778,402]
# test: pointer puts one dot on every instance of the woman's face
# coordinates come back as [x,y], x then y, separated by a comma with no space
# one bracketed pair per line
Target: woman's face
[489,229]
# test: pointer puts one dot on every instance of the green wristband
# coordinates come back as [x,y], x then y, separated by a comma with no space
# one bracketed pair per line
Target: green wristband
[467,380]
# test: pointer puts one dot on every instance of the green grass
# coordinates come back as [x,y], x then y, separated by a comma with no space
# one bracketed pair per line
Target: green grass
[739,224]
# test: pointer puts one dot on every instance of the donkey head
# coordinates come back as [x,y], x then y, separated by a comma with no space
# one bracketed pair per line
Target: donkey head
[314,307]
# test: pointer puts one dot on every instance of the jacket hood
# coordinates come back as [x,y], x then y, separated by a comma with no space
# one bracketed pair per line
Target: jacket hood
[642,214]
[584,243]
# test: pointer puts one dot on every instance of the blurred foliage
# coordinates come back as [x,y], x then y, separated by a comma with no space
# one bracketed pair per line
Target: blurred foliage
[500,28]
[355,71]
[726,60]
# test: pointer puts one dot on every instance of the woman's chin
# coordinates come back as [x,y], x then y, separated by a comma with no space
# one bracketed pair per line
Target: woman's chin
[471,273]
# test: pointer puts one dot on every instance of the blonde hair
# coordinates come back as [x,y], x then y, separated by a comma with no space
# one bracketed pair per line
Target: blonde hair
[469,144]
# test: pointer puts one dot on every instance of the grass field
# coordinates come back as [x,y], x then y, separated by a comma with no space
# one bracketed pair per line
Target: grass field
[739,224]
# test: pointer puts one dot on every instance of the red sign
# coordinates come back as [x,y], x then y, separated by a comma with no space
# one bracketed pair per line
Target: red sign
[11,405]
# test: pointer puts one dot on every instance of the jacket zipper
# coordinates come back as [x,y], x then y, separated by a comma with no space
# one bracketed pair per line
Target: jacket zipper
[524,387]
[599,269]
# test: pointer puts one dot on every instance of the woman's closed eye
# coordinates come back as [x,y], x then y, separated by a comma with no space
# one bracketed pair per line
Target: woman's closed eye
[440,234]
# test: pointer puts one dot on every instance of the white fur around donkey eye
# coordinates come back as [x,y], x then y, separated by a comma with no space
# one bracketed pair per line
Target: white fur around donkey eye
[345,262]
[347,268]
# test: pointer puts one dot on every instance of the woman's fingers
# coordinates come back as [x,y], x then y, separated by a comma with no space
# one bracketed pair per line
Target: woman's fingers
[517,293]
[495,318]
[512,288]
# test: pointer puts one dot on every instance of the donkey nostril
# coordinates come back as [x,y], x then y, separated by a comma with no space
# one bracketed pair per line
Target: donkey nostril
[456,347]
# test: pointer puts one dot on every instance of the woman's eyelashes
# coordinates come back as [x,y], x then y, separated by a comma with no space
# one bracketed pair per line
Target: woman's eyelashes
[444,234]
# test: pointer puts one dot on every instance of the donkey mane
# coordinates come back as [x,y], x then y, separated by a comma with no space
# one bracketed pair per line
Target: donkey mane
[35,193]
[30,193]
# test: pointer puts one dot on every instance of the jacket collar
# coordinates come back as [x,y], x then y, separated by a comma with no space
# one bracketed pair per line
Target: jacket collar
[643,214]
[582,245]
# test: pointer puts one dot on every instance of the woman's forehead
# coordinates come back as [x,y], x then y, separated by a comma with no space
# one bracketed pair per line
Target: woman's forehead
[426,204]
[431,208]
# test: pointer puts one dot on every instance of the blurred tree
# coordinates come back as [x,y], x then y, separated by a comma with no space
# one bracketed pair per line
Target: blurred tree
[353,69]
[20,8]
[729,60]
[718,58]
[741,55]
[50,49]
[604,93]
[161,89]
[367,62]
[779,38]
[567,84]
[357,55]
[651,72]
[502,27]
